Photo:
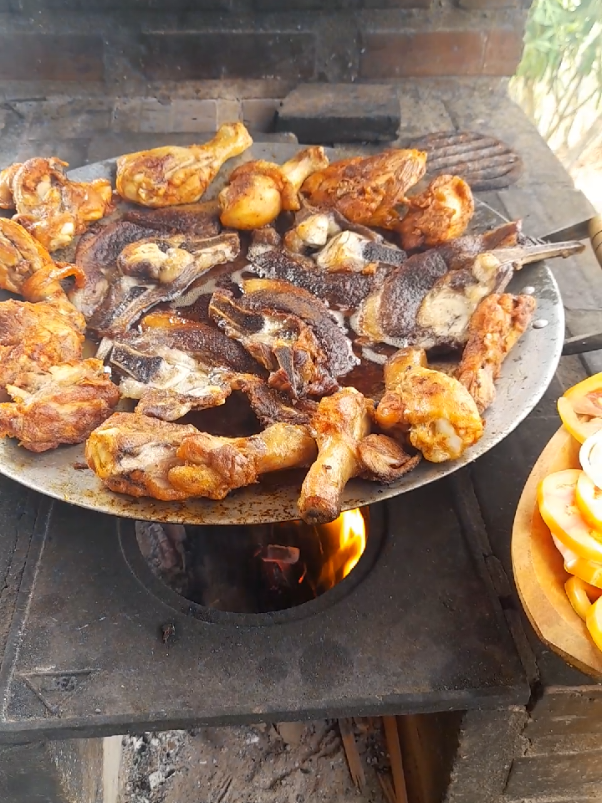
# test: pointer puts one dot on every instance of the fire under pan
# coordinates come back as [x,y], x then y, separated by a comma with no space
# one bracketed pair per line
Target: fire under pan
[413,628]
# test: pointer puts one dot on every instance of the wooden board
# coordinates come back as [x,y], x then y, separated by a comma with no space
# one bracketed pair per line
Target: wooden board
[539,571]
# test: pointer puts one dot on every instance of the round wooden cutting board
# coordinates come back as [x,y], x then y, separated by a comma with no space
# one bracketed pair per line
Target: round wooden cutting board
[539,571]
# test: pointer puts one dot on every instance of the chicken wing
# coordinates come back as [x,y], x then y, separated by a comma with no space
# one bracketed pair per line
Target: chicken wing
[436,411]
[367,189]
[215,466]
[61,406]
[495,327]
[441,213]
[340,423]
[49,205]
[258,191]
[172,175]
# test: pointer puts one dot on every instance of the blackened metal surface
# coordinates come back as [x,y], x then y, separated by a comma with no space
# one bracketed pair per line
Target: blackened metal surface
[85,656]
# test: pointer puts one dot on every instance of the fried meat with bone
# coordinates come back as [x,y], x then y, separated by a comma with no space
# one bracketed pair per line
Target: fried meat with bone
[49,205]
[349,251]
[199,219]
[130,297]
[170,176]
[339,425]
[215,466]
[283,343]
[262,294]
[383,459]
[258,191]
[426,303]
[435,410]
[62,406]
[495,327]
[140,456]
[367,189]
[439,214]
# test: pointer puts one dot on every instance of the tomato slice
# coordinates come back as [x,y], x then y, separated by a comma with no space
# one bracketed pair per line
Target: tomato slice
[593,620]
[581,408]
[558,507]
[578,593]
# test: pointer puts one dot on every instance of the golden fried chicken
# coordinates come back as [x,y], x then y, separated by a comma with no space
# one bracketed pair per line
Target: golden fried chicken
[339,425]
[172,175]
[143,456]
[367,189]
[49,205]
[258,191]
[215,466]
[441,213]
[61,406]
[436,411]
[495,327]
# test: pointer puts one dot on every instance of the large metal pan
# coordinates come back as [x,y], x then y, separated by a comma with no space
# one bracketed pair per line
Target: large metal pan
[525,376]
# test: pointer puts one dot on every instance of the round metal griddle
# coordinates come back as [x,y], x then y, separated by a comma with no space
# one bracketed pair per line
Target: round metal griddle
[525,376]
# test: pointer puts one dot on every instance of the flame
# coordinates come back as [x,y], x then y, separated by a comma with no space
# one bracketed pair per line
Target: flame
[347,536]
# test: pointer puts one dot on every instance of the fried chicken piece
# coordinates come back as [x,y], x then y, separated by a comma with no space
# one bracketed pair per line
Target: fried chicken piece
[435,410]
[172,175]
[132,454]
[384,459]
[495,327]
[441,213]
[258,191]
[63,405]
[50,206]
[367,189]
[340,424]
[34,337]
[215,466]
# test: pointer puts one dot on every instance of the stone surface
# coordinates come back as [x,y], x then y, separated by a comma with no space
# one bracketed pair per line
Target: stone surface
[323,113]
[36,56]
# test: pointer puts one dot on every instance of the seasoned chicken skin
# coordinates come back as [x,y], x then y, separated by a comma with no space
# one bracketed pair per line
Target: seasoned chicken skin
[172,175]
[49,205]
[495,327]
[258,191]
[441,213]
[367,189]
[436,411]
[62,406]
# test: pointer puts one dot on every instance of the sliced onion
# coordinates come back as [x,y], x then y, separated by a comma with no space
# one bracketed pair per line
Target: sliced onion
[567,555]
[590,457]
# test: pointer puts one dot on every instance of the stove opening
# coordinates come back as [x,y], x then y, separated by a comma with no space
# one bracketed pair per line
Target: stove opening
[255,568]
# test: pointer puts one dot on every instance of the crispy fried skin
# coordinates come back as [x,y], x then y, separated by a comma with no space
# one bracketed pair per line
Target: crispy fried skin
[7,175]
[435,410]
[49,205]
[441,213]
[495,327]
[383,459]
[340,423]
[62,406]
[367,189]
[172,175]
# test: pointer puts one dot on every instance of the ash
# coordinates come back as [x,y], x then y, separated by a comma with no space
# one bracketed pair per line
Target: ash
[283,763]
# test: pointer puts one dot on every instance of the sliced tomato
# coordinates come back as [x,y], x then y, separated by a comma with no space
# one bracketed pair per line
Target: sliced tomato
[577,592]
[580,408]
[593,620]
[558,507]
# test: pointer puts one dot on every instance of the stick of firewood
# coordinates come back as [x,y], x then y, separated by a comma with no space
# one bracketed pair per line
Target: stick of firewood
[353,757]
[392,736]
[387,786]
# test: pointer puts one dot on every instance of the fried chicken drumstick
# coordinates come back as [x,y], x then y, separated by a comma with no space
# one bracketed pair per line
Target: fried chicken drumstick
[171,175]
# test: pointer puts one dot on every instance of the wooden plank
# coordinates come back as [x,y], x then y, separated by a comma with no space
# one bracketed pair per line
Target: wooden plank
[399,781]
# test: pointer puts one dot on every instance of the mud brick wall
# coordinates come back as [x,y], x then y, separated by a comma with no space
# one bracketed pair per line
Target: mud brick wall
[267,45]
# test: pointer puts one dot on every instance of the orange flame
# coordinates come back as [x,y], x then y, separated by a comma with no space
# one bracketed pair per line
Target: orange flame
[347,535]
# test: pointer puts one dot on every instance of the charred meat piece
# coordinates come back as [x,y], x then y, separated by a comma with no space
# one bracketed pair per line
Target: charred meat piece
[495,327]
[426,304]
[129,298]
[435,410]
[172,175]
[283,343]
[200,220]
[340,424]
[349,251]
[272,407]
[367,189]
[383,459]
[261,294]
[313,228]
[215,466]
[441,213]
[132,454]
[258,191]
[62,406]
